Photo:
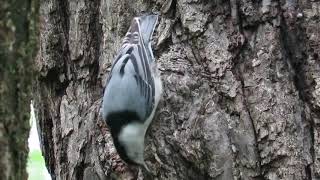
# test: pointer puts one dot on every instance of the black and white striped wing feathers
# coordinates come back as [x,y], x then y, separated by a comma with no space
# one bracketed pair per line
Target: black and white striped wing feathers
[135,59]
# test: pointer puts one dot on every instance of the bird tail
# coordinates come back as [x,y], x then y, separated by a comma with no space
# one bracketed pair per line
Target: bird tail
[143,26]
[147,25]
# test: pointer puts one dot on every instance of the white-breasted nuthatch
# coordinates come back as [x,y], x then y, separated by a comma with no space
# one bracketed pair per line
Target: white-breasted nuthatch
[133,91]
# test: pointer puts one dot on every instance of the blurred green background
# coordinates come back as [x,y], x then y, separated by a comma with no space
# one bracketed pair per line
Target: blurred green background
[36,166]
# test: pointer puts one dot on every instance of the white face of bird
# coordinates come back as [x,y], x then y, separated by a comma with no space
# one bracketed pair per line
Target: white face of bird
[132,138]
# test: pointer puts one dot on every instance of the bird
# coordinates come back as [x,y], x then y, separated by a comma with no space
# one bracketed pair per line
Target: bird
[133,91]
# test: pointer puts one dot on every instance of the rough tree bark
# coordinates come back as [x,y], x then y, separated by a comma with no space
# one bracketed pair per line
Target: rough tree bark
[241,88]
[17,48]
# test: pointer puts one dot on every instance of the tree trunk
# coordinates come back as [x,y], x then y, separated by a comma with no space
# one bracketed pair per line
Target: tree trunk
[17,48]
[241,89]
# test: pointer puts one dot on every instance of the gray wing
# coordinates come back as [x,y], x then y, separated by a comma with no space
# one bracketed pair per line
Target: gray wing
[131,73]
